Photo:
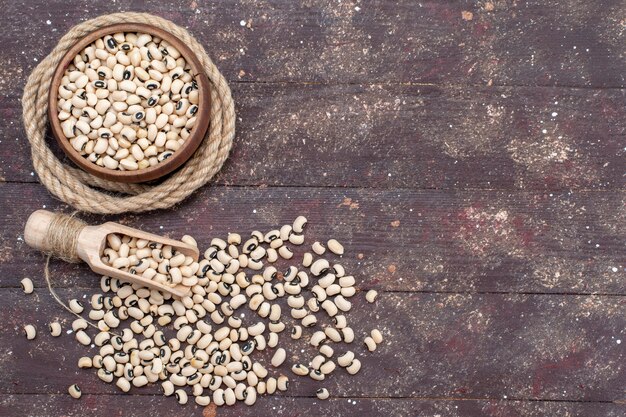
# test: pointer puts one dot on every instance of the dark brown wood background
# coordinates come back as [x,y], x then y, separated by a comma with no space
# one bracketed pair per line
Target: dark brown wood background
[472,151]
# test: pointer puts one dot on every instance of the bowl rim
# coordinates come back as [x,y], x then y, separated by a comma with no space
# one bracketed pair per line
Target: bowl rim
[181,155]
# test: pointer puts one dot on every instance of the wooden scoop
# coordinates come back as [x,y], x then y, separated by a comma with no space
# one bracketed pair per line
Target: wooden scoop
[91,242]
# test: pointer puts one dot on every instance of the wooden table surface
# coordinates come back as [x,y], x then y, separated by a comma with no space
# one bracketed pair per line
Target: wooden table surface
[472,153]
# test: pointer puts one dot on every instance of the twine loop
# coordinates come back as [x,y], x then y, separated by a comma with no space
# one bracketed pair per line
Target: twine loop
[89,193]
[62,237]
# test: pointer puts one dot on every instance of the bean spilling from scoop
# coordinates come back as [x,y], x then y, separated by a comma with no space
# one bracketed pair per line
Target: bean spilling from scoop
[128,101]
[203,346]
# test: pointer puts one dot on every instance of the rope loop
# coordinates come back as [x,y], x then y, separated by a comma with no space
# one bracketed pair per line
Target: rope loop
[92,194]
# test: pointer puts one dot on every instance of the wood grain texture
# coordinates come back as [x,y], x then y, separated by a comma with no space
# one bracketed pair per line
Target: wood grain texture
[405,136]
[429,240]
[539,347]
[532,42]
[139,406]
[468,154]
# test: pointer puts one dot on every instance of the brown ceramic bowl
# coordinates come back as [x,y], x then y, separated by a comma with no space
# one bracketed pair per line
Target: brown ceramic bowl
[179,157]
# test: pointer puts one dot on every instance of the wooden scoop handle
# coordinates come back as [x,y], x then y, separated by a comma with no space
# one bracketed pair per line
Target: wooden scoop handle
[36,230]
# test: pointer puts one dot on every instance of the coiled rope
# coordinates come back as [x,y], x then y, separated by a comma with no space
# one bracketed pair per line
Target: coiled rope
[85,191]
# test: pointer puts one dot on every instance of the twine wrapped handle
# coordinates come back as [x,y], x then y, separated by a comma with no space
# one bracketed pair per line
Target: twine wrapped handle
[83,190]
[55,234]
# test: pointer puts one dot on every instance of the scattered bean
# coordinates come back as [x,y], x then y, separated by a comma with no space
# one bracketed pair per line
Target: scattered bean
[85,362]
[317,375]
[319,267]
[354,367]
[377,336]
[27,285]
[346,359]
[296,332]
[55,329]
[279,357]
[203,400]
[371,296]
[318,248]
[299,224]
[307,259]
[370,344]
[123,384]
[327,367]
[282,383]
[322,393]
[214,347]
[30,331]
[317,338]
[326,350]
[74,391]
[76,306]
[335,247]
[300,369]
[181,396]
[347,334]
[82,338]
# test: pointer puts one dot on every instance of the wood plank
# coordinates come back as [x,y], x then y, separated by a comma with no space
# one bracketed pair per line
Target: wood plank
[139,406]
[469,156]
[429,240]
[406,136]
[490,346]
[536,42]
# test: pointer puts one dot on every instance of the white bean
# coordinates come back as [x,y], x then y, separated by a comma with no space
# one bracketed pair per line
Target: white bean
[55,329]
[27,285]
[279,357]
[371,296]
[377,336]
[322,393]
[354,367]
[370,344]
[74,391]
[30,331]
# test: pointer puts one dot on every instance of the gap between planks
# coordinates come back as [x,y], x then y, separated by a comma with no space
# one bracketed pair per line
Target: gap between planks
[374,188]
[383,291]
[426,84]
[508,399]
[411,84]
